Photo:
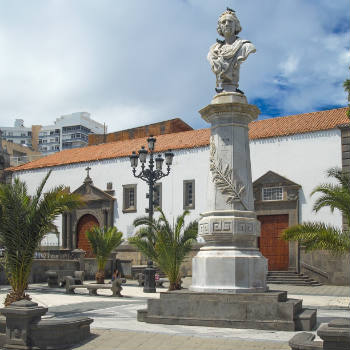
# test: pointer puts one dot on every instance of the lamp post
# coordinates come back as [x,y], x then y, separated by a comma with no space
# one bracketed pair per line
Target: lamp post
[150,175]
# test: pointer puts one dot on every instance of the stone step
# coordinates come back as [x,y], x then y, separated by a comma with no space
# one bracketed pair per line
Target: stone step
[295,283]
[290,277]
[277,273]
[306,280]
[305,320]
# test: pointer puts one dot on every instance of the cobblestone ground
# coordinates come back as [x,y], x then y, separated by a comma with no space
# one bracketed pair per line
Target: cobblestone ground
[127,340]
[115,325]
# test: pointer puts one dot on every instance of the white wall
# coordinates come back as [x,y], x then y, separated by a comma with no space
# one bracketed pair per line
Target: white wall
[302,158]
[186,164]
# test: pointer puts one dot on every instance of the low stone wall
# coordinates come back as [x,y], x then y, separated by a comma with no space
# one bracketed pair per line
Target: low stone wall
[40,266]
[128,252]
[91,268]
[319,265]
[325,267]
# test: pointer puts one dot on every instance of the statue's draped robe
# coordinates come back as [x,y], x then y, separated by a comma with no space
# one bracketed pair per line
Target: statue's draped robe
[225,60]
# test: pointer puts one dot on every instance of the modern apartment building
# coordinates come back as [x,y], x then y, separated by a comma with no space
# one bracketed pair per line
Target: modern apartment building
[18,133]
[68,131]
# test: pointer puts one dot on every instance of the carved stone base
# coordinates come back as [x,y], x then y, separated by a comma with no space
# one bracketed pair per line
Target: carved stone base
[229,270]
[237,228]
[231,261]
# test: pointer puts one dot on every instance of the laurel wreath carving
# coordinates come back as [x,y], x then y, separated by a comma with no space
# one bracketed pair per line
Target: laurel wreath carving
[226,179]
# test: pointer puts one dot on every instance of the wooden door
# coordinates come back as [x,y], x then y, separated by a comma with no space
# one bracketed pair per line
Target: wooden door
[86,223]
[271,245]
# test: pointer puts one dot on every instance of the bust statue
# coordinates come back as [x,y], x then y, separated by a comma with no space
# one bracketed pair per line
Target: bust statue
[225,56]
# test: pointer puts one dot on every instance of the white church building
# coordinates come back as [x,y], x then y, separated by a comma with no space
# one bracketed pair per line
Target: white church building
[289,158]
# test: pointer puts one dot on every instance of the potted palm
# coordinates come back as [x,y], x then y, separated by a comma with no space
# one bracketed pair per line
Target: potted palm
[24,221]
[103,241]
[167,245]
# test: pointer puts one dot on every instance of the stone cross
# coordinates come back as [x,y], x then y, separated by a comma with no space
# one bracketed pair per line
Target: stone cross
[88,169]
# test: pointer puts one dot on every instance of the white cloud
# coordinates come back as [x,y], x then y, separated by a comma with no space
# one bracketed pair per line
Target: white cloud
[134,63]
[290,65]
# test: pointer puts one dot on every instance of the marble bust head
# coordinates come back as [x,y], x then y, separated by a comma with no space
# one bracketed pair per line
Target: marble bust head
[228,16]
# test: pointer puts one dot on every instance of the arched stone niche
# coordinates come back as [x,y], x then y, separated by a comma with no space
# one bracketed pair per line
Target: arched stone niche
[98,203]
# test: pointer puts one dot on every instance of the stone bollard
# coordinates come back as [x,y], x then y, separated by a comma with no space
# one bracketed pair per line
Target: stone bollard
[52,279]
[20,316]
[80,254]
[150,278]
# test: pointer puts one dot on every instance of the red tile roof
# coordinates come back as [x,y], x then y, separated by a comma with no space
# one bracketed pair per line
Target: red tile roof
[274,127]
[298,124]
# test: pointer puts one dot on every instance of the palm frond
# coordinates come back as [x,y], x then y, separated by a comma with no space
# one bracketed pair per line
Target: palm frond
[24,221]
[103,241]
[318,236]
[334,196]
[167,245]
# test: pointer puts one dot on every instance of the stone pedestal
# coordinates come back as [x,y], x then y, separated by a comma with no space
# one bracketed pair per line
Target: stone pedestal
[271,310]
[229,273]
[335,336]
[20,315]
[25,329]
[231,261]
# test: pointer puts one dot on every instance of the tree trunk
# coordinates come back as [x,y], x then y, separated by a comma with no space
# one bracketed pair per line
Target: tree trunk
[15,296]
[100,277]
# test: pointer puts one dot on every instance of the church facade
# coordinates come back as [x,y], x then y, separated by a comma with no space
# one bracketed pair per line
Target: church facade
[289,158]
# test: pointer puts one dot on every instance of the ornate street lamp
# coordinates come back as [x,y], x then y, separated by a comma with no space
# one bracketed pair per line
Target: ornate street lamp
[150,175]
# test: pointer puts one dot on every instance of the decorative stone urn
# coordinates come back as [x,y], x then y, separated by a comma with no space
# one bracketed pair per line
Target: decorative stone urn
[230,262]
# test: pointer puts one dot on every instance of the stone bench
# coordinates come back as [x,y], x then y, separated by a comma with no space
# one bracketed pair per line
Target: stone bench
[115,286]
[56,278]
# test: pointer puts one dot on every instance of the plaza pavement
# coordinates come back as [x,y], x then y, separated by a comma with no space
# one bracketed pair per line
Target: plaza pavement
[115,325]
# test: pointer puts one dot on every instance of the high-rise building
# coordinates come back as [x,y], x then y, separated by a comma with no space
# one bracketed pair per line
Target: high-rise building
[68,131]
[18,133]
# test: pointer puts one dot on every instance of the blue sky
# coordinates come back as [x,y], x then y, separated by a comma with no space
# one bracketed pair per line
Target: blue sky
[140,62]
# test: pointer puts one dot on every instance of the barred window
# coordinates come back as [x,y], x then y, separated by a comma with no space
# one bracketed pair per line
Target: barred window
[157,195]
[129,198]
[189,194]
[272,194]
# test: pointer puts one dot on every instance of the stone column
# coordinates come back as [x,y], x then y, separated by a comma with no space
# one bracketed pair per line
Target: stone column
[111,215]
[69,232]
[230,262]
[64,230]
[106,217]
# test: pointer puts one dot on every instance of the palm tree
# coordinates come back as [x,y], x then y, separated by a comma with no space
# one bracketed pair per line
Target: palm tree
[346,86]
[316,235]
[103,241]
[166,245]
[24,221]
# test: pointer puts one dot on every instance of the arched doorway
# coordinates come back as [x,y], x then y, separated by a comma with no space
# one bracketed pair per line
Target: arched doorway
[86,223]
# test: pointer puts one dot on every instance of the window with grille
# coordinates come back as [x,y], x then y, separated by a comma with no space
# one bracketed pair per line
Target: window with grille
[272,194]
[157,195]
[189,194]
[129,198]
